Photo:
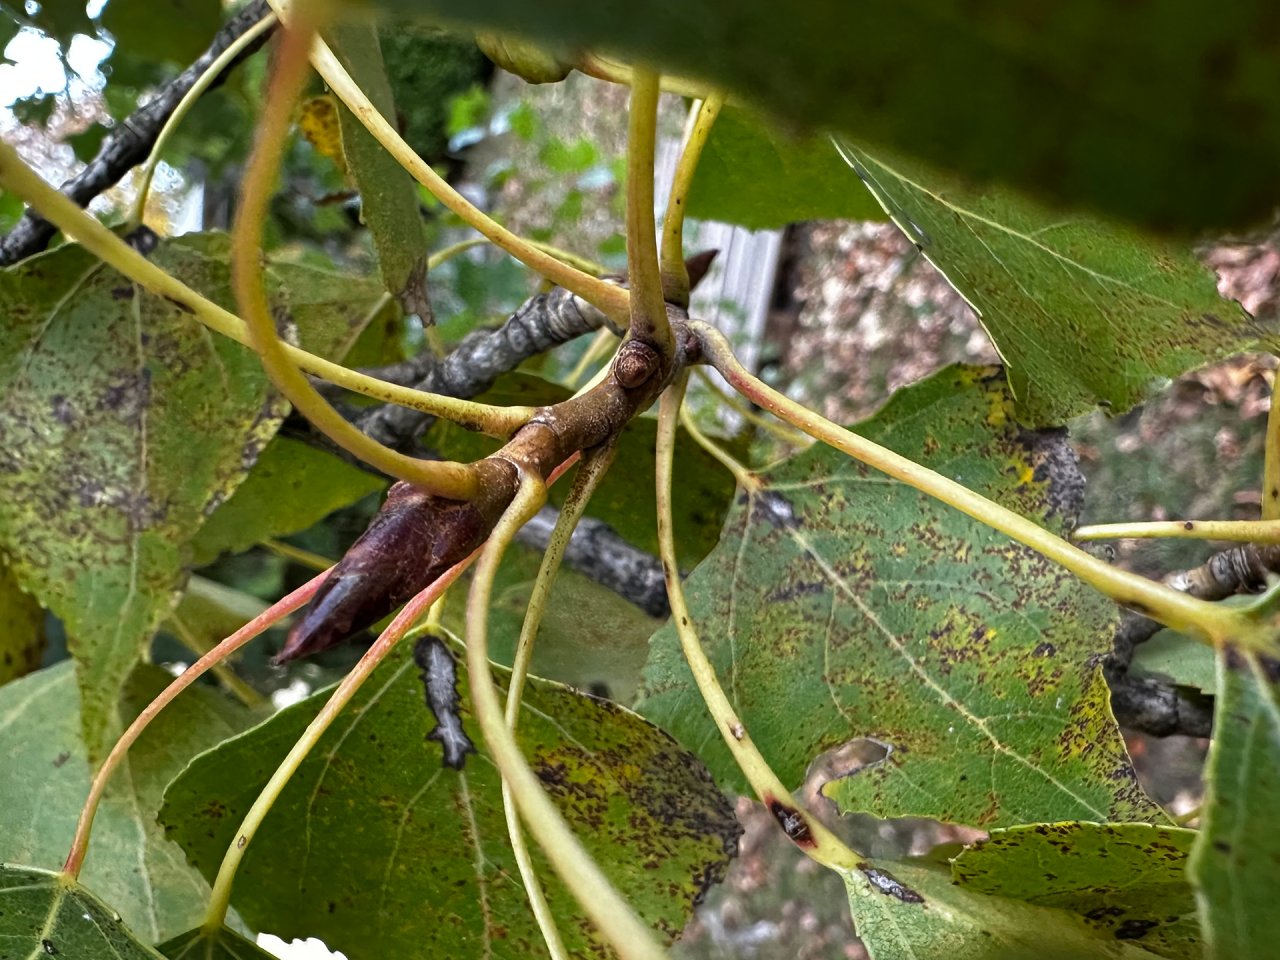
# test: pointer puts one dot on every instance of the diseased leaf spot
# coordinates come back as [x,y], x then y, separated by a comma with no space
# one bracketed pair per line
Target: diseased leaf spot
[889,885]
[793,823]
[1133,929]
[440,683]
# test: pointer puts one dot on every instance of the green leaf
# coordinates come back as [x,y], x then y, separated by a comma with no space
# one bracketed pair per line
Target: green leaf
[225,944]
[379,850]
[22,636]
[125,424]
[46,778]
[87,143]
[177,30]
[913,912]
[754,174]
[44,914]
[1157,112]
[291,487]
[388,194]
[35,110]
[1184,660]
[842,605]
[1126,880]
[1083,313]
[1235,861]
[590,637]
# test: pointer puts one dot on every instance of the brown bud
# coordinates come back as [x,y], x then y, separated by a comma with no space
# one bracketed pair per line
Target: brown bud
[411,542]
[636,363]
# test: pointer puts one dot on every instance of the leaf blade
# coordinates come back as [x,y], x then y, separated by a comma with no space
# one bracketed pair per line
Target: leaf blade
[376,827]
[841,605]
[46,914]
[1082,313]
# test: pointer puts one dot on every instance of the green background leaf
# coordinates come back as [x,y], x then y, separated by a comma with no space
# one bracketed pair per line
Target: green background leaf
[1127,880]
[291,487]
[1234,862]
[177,30]
[1082,313]
[388,194]
[46,778]
[754,174]
[44,915]
[21,628]
[912,912]
[380,851]
[589,636]
[842,605]
[1184,660]
[1159,112]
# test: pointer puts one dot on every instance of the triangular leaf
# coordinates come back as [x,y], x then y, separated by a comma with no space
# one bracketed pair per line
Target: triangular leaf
[222,944]
[46,778]
[756,175]
[842,605]
[913,912]
[1082,312]
[1126,880]
[44,914]
[126,422]
[379,850]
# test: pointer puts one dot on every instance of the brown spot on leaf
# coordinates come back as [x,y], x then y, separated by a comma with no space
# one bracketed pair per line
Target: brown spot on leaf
[889,885]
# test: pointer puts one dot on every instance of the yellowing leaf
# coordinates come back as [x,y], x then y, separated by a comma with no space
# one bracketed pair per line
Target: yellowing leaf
[318,121]
[842,605]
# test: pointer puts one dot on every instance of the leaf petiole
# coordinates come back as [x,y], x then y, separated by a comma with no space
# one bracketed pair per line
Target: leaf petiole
[810,835]
[1241,531]
[81,226]
[586,881]
[1208,622]
[197,90]
[268,618]
[649,322]
[588,477]
[675,276]
[220,896]
[454,481]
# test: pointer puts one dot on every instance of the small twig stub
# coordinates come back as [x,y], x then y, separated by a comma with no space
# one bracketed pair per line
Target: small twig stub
[440,683]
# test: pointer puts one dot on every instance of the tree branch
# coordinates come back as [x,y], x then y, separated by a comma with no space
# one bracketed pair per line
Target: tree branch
[1165,709]
[1239,569]
[599,553]
[131,141]
[541,322]
[1157,708]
